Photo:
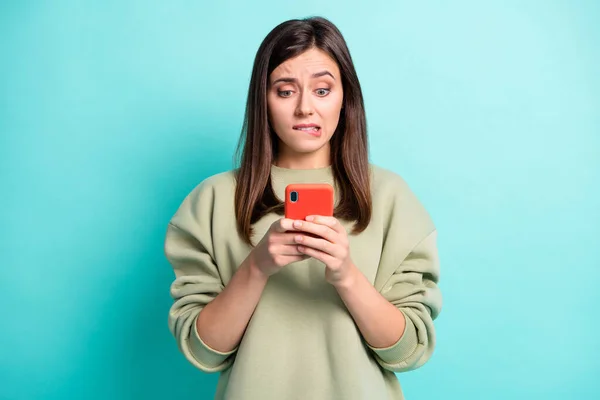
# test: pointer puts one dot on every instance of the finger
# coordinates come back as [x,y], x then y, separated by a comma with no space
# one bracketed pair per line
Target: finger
[321,230]
[331,222]
[289,250]
[292,259]
[317,254]
[285,238]
[318,244]
[283,225]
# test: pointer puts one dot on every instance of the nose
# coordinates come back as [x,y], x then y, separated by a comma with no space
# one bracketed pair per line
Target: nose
[304,106]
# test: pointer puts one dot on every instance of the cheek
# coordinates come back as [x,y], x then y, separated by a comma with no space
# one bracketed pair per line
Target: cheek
[275,113]
[331,111]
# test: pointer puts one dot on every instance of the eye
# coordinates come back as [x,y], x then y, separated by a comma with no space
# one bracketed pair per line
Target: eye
[284,93]
[322,92]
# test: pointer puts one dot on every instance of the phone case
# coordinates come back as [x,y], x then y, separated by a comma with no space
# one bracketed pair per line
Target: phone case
[303,199]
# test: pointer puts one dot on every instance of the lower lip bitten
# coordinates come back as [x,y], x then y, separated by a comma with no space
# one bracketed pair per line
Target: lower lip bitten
[313,132]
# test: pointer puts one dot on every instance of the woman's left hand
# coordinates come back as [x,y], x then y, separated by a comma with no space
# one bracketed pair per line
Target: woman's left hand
[329,245]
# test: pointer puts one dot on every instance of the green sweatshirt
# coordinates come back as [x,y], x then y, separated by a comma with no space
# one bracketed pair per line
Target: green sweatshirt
[301,342]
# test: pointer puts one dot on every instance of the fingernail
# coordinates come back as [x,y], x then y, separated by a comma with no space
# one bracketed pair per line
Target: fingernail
[298,238]
[298,224]
[310,218]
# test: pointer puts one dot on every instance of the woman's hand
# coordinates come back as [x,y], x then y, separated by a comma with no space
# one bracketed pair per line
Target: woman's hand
[327,241]
[276,249]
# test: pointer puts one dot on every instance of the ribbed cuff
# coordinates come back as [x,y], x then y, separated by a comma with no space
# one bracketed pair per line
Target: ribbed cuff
[403,348]
[203,353]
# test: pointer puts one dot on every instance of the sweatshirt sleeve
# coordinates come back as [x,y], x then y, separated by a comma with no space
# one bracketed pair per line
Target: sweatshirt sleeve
[412,285]
[413,290]
[189,249]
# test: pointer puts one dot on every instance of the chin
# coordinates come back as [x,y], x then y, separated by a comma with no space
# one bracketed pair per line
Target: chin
[307,147]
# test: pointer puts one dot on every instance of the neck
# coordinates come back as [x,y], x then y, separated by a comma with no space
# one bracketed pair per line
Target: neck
[282,176]
[314,160]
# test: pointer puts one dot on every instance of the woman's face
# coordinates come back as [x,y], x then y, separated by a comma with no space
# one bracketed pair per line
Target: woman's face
[304,101]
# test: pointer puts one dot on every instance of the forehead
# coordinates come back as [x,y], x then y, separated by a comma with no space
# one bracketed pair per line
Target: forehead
[309,62]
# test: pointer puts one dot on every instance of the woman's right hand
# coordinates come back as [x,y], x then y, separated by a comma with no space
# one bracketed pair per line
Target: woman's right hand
[277,248]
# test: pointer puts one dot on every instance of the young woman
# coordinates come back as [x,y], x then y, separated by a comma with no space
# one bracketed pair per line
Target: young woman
[322,308]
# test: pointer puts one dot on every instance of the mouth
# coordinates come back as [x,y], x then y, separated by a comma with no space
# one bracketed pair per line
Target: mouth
[312,129]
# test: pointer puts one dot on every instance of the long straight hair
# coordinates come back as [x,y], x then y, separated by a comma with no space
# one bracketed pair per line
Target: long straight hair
[257,146]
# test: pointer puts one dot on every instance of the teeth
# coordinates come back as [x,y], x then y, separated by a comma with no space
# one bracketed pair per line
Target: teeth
[308,129]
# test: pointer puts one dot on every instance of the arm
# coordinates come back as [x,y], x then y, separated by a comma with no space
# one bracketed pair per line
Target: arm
[206,318]
[222,323]
[378,320]
[219,315]
[397,320]
[395,315]
[398,323]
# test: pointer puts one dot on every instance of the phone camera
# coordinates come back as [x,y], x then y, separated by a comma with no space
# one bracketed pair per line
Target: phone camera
[294,196]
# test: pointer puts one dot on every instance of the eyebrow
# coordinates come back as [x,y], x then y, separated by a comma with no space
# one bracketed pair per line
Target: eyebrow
[294,80]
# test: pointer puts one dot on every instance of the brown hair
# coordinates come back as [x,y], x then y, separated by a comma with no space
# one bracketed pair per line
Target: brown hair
[254,195]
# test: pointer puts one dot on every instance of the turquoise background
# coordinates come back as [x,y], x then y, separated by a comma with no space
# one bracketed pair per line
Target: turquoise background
[111,112]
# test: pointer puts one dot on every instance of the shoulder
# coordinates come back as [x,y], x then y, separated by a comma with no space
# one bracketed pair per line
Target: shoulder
[219,184]
[208,193]
[219,181]
[387,182]
[394,197]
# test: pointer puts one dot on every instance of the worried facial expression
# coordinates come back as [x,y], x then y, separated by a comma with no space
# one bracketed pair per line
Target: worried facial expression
[304,98]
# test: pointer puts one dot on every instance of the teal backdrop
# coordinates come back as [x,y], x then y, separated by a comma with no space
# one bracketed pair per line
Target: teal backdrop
[112,111]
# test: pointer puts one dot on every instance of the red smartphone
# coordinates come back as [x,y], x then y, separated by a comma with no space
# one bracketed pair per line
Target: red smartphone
[303,199]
